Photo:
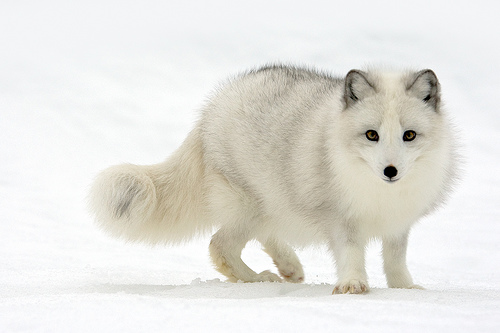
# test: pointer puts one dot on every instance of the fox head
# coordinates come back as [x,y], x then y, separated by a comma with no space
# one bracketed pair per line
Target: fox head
[392,121]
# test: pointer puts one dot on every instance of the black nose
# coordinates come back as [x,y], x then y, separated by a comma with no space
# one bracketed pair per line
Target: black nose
[390,171]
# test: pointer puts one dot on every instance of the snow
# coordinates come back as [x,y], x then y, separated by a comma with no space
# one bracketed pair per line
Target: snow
[84,85]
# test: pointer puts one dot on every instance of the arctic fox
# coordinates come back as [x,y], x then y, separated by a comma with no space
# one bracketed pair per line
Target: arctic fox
[291,156]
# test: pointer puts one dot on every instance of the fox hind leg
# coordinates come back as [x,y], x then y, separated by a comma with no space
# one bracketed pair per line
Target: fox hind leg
[225,249]
[285,259]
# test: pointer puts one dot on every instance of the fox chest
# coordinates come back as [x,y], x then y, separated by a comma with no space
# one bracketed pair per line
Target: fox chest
[383,211]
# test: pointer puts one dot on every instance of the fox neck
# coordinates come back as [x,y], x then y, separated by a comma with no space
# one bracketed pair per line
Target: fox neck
[379,207]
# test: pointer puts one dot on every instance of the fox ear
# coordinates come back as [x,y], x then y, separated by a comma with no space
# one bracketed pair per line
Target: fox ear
[425,86]
[356,87]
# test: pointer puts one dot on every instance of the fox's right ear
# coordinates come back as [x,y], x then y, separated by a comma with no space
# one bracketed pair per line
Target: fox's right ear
[357,87]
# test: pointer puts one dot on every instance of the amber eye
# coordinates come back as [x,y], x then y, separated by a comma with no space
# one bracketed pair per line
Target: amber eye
[409,136]
[372,135]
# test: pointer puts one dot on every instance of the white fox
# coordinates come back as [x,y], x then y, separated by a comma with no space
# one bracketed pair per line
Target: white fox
[290,157]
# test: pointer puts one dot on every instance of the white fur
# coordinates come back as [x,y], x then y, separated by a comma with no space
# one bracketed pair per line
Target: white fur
[280,155]
[162,203]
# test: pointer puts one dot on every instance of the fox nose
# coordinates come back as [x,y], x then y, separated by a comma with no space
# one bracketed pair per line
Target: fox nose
[390,171]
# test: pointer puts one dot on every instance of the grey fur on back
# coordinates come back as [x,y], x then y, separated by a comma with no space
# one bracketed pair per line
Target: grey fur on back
[275,116]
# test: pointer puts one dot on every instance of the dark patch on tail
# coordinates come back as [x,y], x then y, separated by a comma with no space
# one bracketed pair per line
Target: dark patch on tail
[122,208]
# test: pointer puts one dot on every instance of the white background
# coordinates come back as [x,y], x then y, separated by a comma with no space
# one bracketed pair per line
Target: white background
[90,84]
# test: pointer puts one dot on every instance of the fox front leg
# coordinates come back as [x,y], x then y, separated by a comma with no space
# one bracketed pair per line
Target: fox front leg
[349,252]
[395,268]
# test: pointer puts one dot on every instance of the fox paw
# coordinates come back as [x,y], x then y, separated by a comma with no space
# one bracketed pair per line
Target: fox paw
[351,287]
[292,273]
[267,276]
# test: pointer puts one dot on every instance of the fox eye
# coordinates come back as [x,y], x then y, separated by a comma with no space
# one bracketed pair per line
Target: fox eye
[372,135]
[409,136]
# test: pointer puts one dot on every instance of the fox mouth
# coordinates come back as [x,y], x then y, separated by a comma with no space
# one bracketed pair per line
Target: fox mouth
[390,180]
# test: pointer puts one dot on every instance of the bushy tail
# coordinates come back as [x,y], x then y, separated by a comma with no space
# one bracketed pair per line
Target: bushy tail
[161,203]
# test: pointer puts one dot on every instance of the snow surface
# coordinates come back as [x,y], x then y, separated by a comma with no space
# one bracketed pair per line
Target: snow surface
[84,85]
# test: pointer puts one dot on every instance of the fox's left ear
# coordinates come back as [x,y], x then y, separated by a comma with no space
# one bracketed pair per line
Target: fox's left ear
[425,86]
